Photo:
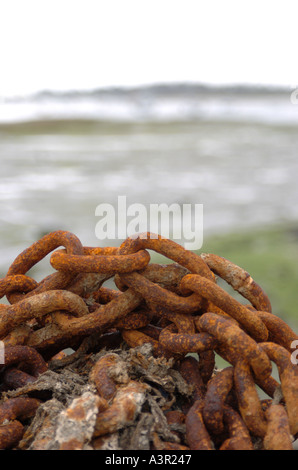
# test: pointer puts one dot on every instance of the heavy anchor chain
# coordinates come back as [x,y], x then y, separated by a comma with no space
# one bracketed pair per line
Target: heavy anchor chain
[180,310]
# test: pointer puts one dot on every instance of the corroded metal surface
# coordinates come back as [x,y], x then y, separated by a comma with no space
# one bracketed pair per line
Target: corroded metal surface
[175,309]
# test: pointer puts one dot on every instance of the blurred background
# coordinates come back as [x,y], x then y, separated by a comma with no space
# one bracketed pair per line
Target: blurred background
[164,102]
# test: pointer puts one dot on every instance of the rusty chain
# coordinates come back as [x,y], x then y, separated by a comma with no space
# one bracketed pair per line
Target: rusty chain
[179,309]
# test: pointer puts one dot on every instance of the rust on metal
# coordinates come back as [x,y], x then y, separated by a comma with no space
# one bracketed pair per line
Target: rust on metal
[10,434]
[239,279]
[197,435]
[123,410]
[217,295]
[250,406]
[218,389]
[105,385]
[278,435]
[32,361]
[179,311]
[288,374]
[36,252]
[237,341]
[189,369]
[239,437]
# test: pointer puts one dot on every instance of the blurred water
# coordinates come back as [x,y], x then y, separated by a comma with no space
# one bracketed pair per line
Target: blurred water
[158,103]
[241,165]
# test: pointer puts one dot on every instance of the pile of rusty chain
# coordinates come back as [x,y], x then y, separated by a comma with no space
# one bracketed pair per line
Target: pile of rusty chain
[179,309]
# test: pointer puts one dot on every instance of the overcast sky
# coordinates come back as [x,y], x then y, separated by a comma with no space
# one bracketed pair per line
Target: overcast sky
[79,44]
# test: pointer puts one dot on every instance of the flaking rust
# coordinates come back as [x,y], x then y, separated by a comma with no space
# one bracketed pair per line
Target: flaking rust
[87,367]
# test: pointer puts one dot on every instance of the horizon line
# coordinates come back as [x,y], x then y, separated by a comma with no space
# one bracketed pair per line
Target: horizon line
[232,86]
